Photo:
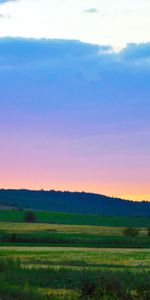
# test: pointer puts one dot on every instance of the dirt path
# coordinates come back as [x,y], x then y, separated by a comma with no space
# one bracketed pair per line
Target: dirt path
[49,249]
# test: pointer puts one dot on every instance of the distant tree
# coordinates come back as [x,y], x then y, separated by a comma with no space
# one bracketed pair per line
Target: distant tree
[148,231]
[132,232]
[13,237]
[29,217]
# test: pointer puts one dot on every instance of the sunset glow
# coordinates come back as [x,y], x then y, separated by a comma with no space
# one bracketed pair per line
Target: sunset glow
[75,100]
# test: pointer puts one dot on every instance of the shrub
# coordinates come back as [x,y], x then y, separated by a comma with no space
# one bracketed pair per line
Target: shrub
[88,287]
[148,231]
[9,264]
[143,288]
[132,232]
[2,265]
[107,285]
[29,217]
[111,286]
[13,237]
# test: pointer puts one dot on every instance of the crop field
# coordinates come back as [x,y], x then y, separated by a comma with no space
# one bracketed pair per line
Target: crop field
[61,273]
[76,219]
[70,235]
[56,261]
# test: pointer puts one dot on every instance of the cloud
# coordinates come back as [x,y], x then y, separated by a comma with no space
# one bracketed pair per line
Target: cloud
[72,55]
[91,10]
[136,52]
[72,63]
[4,1]
[127,11]
[4,16]
[45,52]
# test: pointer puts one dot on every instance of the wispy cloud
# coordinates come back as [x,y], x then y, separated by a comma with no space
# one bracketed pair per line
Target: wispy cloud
[127,11]
[4,1]
[4,16]
[91,10]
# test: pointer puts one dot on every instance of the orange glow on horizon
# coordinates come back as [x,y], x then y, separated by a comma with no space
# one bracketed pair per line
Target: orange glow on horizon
[104,189]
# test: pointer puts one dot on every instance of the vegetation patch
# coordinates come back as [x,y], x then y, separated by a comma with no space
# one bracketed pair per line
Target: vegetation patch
[76,219]
[19,282]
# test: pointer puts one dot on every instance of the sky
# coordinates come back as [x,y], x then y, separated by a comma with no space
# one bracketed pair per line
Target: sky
[75,96]
[114,22]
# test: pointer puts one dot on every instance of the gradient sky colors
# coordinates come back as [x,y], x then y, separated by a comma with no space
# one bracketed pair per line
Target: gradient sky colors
[75,115]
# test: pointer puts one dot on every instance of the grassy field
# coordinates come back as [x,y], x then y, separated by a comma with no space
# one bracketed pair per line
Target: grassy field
[61,273]
[65,257]
[76,219]
[70,235]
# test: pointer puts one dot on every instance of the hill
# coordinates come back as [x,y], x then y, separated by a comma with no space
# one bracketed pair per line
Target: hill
[73,202]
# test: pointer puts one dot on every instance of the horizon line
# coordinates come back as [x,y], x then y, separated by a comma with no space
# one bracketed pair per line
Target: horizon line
[71,191]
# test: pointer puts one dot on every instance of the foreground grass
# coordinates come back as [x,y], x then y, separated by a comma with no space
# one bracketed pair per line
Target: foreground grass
[50,273]
[76,219]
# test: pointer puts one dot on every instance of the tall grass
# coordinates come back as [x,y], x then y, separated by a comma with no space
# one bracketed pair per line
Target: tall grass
[19,282]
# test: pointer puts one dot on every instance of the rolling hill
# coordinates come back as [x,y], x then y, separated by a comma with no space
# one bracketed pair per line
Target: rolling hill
[72,202]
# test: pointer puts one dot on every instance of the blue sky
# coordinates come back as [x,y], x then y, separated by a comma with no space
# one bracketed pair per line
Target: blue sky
[75,116]
[75,96]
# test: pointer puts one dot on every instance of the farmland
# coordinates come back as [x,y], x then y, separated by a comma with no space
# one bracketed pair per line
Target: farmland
[63,257]
[70,235]
[76,219]
[61,273]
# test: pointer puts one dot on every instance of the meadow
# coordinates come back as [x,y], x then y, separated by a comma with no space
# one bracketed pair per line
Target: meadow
[13,215]
[58,259]
[61,273]
[70,235]
[64,229]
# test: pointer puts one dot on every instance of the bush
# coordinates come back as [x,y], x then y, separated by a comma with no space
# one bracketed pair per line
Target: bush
[2,265]
[132,232]
[13,237]
[107,285]
[29,217]
[9,264]
[148,231]
[88,287]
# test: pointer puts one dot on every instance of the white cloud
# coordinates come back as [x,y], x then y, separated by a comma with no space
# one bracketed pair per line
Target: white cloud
[65,19]
[91,10]
[4,1]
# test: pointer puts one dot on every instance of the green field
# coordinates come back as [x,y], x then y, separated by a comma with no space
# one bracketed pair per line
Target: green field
[61,273]
[78,257]
[70,235]
[76,219]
